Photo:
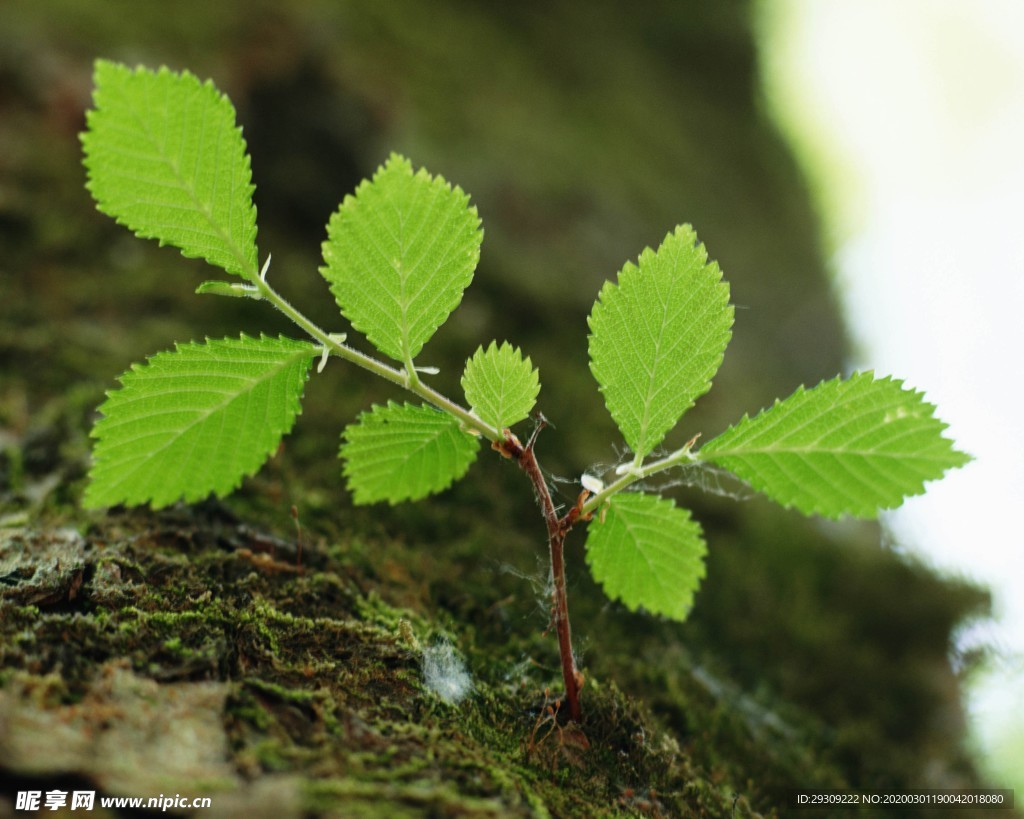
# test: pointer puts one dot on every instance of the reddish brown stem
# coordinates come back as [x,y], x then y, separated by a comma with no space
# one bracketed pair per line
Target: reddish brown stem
[558,528]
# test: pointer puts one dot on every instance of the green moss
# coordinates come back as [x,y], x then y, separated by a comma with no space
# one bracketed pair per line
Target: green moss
[339,699]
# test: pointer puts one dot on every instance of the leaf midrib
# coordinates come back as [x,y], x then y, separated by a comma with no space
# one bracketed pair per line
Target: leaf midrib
[236,251]
[203,416]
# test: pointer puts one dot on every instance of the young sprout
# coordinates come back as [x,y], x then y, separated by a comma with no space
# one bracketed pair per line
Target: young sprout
[848,446]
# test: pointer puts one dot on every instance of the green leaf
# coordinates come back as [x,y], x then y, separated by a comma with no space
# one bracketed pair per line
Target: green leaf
[404,452]
[166,160]
[658,337]
[399,254]
[647,552]
[196,420]
[845,447]
[500,385]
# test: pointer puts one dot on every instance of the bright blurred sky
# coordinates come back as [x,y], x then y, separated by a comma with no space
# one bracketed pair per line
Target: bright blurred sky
[909,117]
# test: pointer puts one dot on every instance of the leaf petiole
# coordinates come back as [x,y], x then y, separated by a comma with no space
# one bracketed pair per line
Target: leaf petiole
[333,344]
[634,473]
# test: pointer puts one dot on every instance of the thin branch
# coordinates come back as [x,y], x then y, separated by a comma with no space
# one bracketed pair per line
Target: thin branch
[558,528]
[408,379]
[636,473]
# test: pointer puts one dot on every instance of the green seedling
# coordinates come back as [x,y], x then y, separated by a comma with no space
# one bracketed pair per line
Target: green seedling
[166,159]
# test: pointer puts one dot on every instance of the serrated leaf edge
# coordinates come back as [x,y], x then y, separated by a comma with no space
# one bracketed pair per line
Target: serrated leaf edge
[139,367]
[629,270]
[491,352]
[708,451]
[246,268]
[691,592]
[405,353]
[358,494]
